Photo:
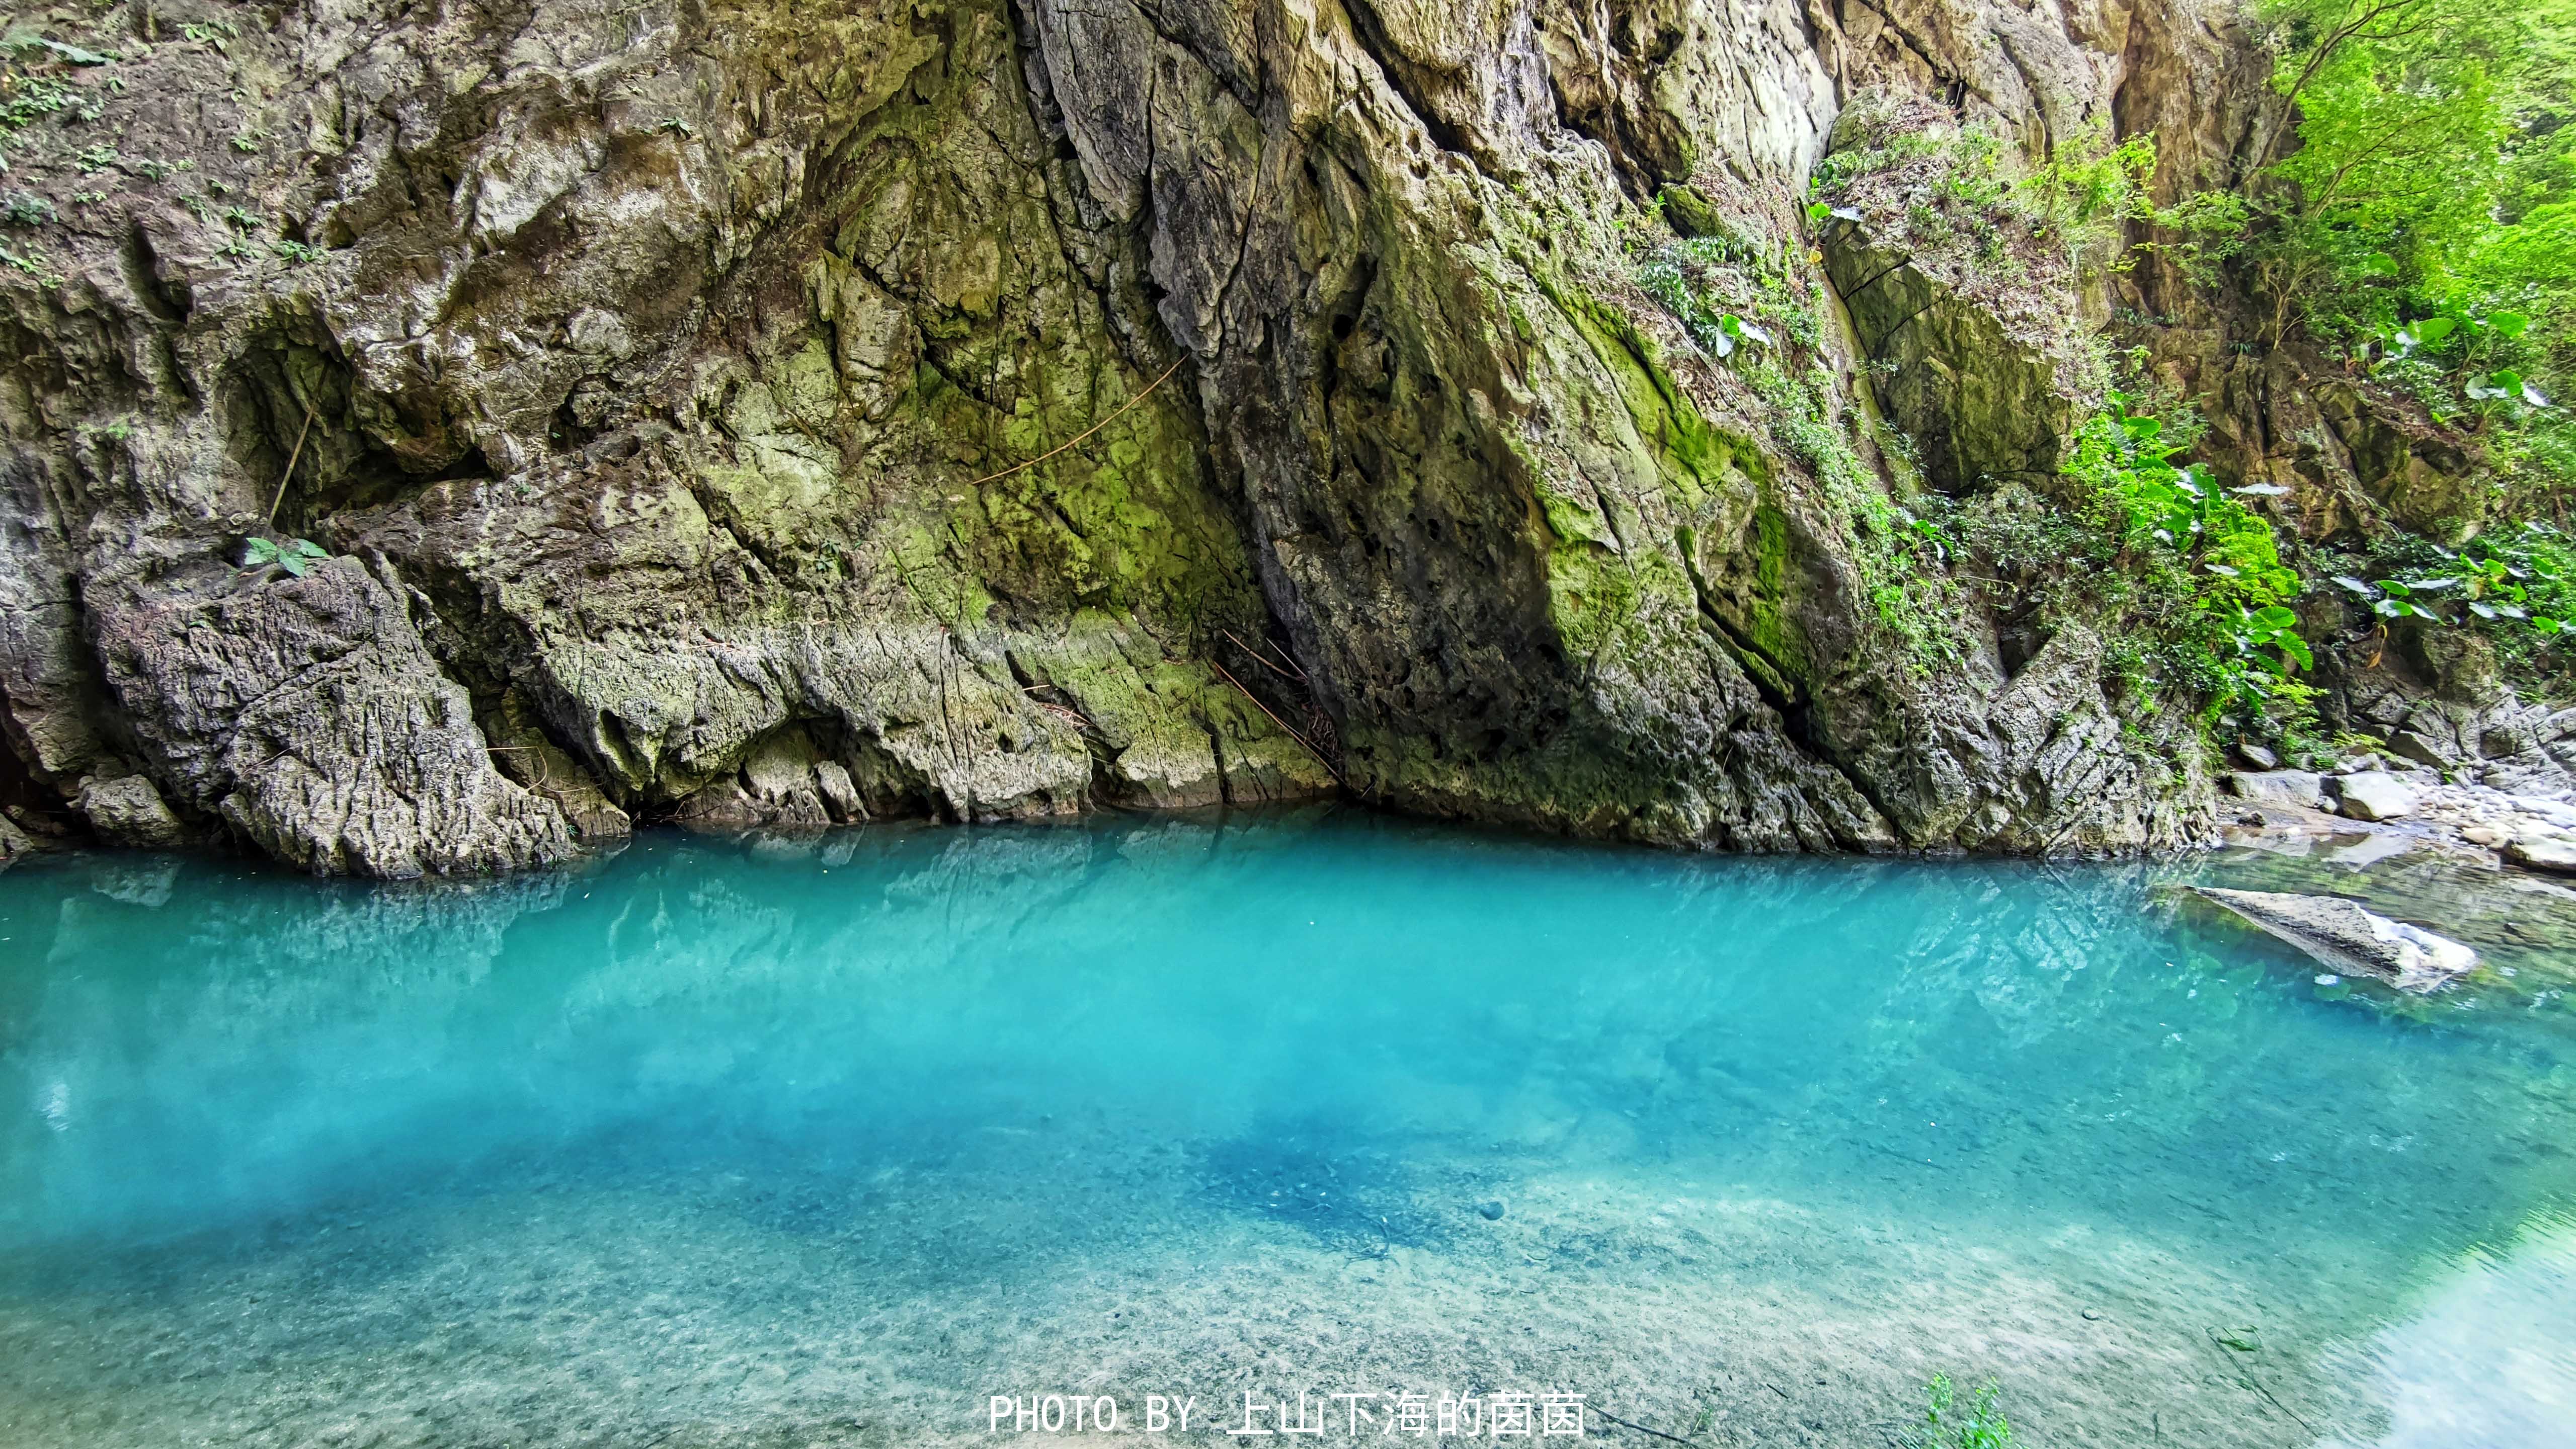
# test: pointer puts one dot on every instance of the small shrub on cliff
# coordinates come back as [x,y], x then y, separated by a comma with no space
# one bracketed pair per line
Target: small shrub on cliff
[262,554]
[2516,587]
[2238,642]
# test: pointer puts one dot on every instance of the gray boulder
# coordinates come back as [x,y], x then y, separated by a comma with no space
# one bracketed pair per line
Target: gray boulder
[2303,788]
[2374,796]
[2553,853]
[2350,940]
[128,811]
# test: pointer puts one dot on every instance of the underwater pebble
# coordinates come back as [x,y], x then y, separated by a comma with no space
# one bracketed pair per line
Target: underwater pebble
[1492,1209]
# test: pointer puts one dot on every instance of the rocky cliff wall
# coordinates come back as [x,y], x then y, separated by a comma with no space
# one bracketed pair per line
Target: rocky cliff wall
[987,408]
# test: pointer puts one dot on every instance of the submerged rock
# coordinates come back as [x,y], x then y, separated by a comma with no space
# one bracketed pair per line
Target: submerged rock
[2354,941]
[1491,1209]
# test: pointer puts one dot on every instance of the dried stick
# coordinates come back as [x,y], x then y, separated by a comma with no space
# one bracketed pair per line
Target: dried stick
[283,478]
[1095,427]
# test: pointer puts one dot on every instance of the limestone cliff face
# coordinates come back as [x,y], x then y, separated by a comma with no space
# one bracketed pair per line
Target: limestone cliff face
[988,408]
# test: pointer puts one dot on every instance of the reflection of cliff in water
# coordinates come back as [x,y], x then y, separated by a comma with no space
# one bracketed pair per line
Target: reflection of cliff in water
[1981,1044]
[2489,1356]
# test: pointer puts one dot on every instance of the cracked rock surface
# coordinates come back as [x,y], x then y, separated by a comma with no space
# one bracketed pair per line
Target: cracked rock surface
[752,413]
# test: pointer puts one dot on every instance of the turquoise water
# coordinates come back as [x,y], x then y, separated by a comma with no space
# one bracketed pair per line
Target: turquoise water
[830,1141]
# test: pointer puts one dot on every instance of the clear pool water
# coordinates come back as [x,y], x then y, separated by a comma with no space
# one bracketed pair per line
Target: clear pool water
[832,1141]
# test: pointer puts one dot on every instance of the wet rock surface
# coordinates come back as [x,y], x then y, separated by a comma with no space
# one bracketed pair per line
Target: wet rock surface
[2347,938]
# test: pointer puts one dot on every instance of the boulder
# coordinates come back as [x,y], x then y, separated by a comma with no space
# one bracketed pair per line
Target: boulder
[2350,940]
[840,792]
[2257,756]
[2553,853]
[2374,796]
[2408,745]
[15,844]
[2303,788]
[128,811]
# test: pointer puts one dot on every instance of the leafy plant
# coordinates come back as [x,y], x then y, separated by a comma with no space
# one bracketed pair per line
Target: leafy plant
[2235,639]
[33,263]
[294,557]
[1949,1425]
[295,253]
[94,159]
[1696,281]
[2416,197]
[2522,578]
[21,209]
[25,42]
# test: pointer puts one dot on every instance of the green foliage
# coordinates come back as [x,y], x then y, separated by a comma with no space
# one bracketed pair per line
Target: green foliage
[1668,277]
[294,558]
[22,209]
[28,43]
[33,263]
[1949,1425]
[94,159]
[26,98]
[2226,626]
[2424,213]
[295,253]
[2517,587]
[1966,182]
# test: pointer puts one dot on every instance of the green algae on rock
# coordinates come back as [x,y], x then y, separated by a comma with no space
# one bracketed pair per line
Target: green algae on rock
[998,408]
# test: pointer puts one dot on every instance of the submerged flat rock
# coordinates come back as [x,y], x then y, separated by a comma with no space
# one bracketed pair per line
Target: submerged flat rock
[2350,939]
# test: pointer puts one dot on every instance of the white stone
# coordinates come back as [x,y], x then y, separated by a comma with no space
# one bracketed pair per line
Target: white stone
[2375,796]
